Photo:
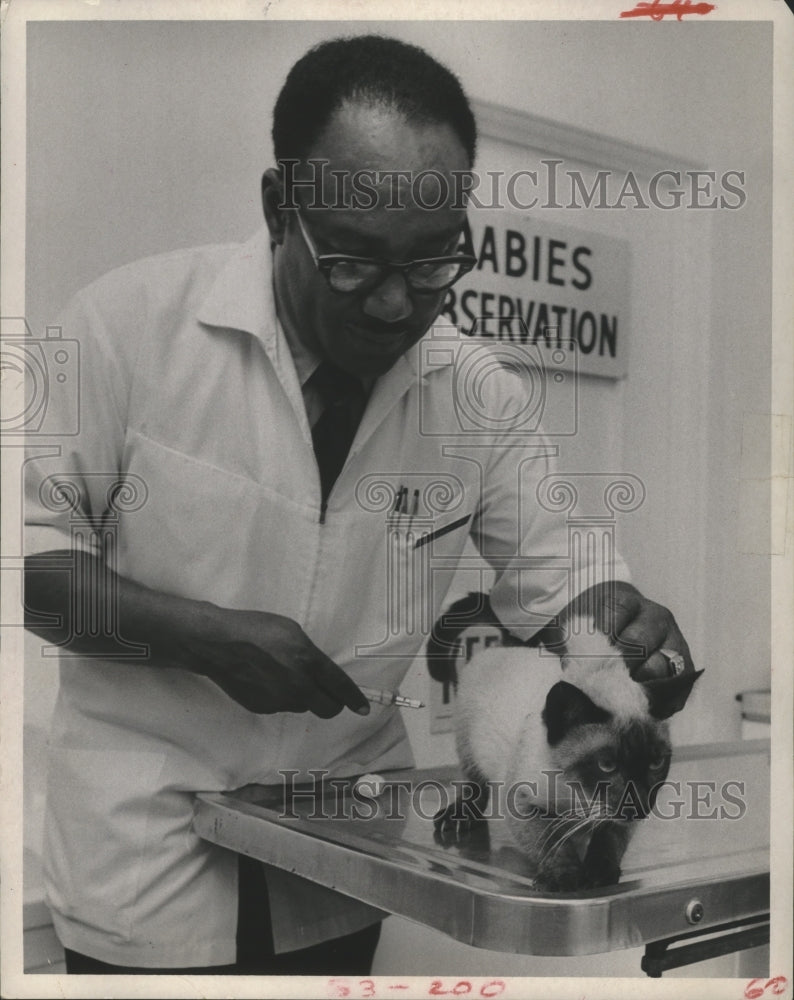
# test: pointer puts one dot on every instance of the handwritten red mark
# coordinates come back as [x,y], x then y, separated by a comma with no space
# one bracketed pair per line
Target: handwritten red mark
[492,989]
[464,987]
[755,989]
[657,11]
[365,988]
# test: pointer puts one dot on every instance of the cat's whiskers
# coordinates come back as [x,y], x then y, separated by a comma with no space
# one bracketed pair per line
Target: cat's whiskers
[577,819]
[572,815]
[580,820]
[582,824]
[558,823]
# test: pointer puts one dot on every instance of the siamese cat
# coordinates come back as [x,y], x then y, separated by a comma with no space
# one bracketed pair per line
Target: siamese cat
[575,749]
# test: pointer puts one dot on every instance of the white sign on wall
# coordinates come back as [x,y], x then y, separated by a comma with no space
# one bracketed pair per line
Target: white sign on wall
[546,284]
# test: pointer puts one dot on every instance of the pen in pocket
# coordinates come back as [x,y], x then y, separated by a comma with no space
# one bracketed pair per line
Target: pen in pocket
[440,532]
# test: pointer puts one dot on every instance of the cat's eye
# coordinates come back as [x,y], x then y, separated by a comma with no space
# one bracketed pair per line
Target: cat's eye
[657,764]
[607,764]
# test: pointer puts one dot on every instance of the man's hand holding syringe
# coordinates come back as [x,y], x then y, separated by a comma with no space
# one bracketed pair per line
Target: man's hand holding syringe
[264,661]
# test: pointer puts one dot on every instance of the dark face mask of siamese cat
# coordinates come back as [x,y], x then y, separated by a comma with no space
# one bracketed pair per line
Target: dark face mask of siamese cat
[602,774]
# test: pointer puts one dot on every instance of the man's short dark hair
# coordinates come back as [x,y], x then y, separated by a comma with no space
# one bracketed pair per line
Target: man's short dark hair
[370,68]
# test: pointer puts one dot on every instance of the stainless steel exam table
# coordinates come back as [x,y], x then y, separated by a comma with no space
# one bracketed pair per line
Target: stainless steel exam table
[698,879]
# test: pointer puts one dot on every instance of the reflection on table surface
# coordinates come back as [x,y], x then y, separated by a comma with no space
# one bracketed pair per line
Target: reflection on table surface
[711,817]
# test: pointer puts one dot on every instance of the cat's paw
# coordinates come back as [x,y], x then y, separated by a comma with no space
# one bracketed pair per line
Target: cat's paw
[455,822]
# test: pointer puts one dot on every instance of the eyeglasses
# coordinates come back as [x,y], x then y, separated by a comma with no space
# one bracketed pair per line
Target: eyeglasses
[347,274]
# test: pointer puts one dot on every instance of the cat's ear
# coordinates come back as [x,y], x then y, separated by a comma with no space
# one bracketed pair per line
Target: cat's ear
[568,706]
[668,695]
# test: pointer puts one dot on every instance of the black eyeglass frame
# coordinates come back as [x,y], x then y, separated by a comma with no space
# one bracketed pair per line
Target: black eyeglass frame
[325,262]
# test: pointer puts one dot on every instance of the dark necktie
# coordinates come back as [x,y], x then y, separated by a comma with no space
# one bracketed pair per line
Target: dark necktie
[343,400]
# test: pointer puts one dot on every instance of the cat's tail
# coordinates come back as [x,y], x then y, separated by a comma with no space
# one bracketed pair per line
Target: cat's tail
[443,645]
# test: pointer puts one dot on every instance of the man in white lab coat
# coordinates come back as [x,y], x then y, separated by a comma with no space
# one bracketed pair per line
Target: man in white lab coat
[242,577]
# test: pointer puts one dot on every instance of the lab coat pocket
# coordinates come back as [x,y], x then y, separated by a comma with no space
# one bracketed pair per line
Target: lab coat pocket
[212,534]
[98,834]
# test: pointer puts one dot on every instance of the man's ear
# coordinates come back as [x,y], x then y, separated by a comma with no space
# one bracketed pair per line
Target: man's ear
[272,192]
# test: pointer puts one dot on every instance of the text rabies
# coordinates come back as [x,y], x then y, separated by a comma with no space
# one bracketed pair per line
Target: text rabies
[525,319]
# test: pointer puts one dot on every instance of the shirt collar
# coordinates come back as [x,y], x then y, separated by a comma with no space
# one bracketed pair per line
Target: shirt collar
[241,298]
[306,361]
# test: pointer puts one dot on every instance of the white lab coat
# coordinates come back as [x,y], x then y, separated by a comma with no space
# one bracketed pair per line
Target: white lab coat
[189,391]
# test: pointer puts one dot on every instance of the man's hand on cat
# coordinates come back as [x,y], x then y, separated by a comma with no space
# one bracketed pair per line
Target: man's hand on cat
[646,635]
[267,664]
[640,628]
